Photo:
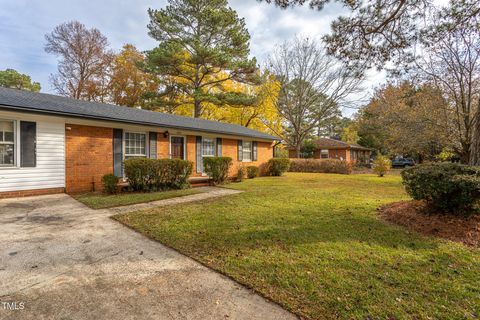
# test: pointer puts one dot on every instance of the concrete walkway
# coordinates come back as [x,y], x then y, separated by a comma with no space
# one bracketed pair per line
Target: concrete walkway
[207,193]
[62,260]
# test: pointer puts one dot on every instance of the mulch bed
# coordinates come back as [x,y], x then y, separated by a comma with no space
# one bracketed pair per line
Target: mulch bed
[417,216]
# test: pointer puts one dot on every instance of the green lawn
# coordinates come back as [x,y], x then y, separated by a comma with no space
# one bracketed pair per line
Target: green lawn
[314,244]
[100,201]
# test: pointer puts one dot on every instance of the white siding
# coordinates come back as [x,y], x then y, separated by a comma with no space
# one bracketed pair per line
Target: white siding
[50,169]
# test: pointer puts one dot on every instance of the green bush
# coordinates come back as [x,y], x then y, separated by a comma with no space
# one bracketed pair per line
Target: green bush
[381,165]
[173,173]
[140,173]
[110,182]
[241,173]
[450,187]
[320,165]
[217,168]
[277,166]
[252,172]
[144,174]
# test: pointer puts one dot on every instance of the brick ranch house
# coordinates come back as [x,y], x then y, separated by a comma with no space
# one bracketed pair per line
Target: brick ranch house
[326,148]
[52,144]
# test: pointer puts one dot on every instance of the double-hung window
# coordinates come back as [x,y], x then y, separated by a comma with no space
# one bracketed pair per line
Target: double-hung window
[247,151]
[208,147]
[7,143]
[135,145]
[324,154]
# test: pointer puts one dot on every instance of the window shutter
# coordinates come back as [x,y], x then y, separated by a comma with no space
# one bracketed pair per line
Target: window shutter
[240,150]
[199,159]
[28,144]
[254,151]
[118,152]
[219,147]
[152,136]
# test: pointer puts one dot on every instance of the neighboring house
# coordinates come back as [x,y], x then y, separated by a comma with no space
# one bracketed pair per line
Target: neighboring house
[52,144]
[326,148]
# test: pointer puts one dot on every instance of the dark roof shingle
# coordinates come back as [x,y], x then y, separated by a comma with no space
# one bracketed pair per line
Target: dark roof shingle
[328,143]
[52,104]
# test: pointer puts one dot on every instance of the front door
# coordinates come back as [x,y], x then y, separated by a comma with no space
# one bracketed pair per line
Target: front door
[177,145]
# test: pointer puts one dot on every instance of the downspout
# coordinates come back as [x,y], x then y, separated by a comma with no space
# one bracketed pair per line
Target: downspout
[274,146]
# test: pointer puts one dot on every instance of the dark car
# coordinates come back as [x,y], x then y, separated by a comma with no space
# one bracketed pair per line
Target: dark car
[402,162]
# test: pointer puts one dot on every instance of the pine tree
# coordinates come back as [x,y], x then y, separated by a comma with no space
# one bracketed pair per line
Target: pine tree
[202,45]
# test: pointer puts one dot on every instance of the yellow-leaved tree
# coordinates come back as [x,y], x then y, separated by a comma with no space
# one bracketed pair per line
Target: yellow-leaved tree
[129,84]
[262,115]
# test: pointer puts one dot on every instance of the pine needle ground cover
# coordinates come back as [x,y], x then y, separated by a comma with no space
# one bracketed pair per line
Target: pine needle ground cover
[315,244]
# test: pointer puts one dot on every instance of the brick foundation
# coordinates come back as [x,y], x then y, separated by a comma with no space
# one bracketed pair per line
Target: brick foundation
[29,193]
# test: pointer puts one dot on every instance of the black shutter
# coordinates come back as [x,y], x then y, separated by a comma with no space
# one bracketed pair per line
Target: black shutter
[152,136]
[254,151]
[118,152]
[198,152]
[219,147]
[28,144]
[240,150]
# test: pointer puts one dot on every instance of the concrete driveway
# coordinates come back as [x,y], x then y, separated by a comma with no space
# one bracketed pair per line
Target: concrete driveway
[62,260]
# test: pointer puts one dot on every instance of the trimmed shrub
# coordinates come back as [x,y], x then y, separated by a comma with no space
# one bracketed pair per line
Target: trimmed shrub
[217,168]
[381,165]
[252,172]
[110,182]
[241,173]
[144,174]
[173,173]
[450,187]
[320,165]
[140,173]
[277,166]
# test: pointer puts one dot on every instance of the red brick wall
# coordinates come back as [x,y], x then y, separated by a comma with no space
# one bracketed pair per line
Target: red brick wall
[292,153]
[89,156]
[29,193]
[229,149]
[191,154]
[339,154]
[163,146]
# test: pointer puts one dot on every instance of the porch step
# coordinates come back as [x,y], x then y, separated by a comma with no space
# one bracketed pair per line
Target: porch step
[199,181]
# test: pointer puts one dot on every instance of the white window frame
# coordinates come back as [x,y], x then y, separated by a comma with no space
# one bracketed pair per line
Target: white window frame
[184,145]
[322,152]
[214,146]
[16,147]
[125,146]
[250,158]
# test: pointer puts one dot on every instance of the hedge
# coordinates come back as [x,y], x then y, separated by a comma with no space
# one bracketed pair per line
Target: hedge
[217,168]
[320,165]
[252,172]
[144,174]
[450,187]
[277,166]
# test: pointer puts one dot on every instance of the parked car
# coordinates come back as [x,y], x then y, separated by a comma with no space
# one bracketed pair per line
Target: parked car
[402,162]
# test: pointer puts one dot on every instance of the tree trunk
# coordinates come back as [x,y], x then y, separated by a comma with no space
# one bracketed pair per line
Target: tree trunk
[297,148]
[198,109]
[475,145]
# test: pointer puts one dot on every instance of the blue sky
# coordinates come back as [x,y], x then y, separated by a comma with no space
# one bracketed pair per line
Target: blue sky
[24,23]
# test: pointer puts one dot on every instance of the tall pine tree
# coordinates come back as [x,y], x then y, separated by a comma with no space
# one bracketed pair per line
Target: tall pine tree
[202,45]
